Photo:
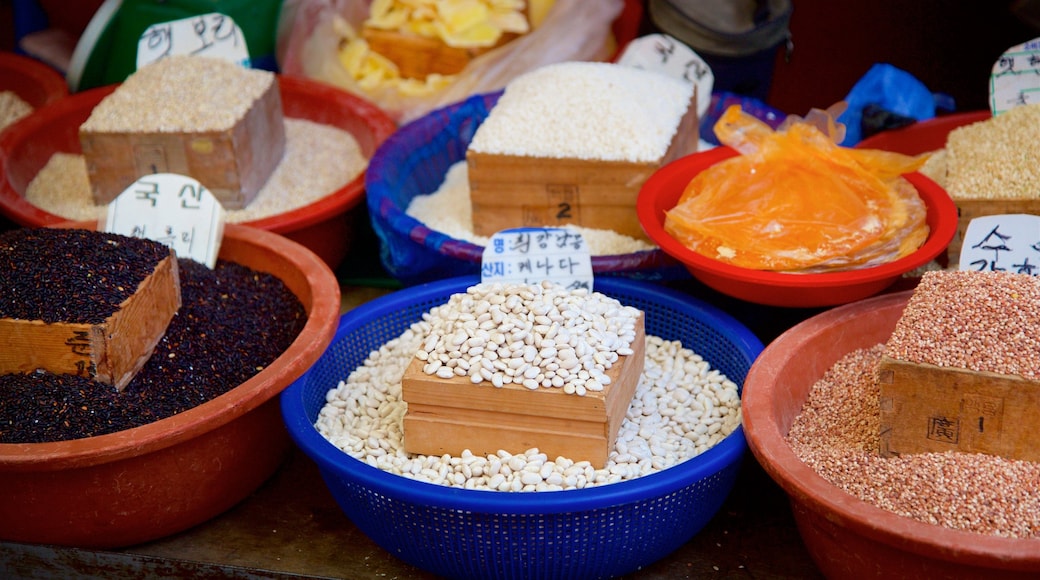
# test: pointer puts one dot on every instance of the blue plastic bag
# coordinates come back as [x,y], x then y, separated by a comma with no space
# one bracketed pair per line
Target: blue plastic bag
[890,89]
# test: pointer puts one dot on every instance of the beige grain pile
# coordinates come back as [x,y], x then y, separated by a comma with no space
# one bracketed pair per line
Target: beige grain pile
[449,211]
[12,108]
[181,93]
[836,434]
[998,158]
[319,159]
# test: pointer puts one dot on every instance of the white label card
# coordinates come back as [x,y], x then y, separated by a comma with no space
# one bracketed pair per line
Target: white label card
[1015,79]
[172,209]
[667,55]
[533,255]
[1004,243]
[214,35]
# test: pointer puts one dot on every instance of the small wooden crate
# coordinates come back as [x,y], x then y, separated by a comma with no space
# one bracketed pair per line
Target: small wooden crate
[927,408]
[511,191]
[233,164]
[111,352]
[452,415]
[969,209]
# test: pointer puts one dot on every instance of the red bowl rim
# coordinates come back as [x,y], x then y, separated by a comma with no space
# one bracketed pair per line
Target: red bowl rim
[651,215]
[48,80]
[381,126]
[317,333]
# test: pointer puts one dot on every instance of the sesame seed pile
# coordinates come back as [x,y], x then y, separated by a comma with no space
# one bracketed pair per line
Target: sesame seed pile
[996,158]
[181,93]
[586,110]
[978,321]
[836,434]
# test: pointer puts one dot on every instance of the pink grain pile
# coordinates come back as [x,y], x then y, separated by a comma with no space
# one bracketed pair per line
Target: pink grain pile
[836,433]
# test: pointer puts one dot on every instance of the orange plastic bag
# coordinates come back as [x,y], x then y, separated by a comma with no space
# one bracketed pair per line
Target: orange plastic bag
[796,201]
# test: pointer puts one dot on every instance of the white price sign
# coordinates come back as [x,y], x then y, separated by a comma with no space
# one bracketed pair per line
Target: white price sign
[533,255]
[214,35]
[664,54]
[174,210]
[1015,79]
[1003,243]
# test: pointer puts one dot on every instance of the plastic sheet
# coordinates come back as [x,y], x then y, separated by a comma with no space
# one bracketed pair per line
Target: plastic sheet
[796,201]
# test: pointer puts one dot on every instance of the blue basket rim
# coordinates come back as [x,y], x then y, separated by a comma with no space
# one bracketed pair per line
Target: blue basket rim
[379,203]
[336,462]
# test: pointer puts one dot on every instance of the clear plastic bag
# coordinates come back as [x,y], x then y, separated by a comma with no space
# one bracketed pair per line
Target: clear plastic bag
[793,200]
[572,30]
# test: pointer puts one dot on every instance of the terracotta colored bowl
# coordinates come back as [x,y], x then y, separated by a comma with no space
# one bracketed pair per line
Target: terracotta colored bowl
[847,537]
[147,482]
[33,81]
[921,137]
[325,226]
[662,191]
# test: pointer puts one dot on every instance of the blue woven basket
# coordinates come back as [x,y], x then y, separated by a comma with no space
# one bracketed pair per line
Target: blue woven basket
[591,533]
[414,161]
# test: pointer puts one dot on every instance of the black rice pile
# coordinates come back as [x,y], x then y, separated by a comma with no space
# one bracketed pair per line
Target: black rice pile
[233,322]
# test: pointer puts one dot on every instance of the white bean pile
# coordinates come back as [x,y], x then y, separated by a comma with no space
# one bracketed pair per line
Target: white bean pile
[536,336]
[681,408]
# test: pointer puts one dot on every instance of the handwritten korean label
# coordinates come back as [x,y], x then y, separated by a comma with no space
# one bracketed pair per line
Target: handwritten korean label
[1015,79]
[665,54]
[533,255]
[1004,243]
[214,35]
[172,209]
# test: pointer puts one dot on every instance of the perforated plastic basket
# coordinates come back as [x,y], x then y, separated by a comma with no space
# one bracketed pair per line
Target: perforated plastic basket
[414,161]
[591,533]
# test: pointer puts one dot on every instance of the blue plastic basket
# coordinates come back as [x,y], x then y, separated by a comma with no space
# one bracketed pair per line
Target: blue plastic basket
[590,533]
[414,161]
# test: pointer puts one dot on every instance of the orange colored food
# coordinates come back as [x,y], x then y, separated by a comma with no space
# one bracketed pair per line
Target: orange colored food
[796,201]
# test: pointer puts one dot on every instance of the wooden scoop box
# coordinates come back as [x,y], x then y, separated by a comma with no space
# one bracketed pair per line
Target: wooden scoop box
[233,164]
[926,408]
[111,352]
[511,191]
[452,415]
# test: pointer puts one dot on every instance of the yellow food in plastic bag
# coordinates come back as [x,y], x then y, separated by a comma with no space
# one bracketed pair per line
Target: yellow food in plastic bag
[795,201]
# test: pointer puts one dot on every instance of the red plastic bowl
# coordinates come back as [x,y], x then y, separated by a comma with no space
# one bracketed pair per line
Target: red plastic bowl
[662,191]
[33,81]
[325,226]
[847,537]
[147,482]
[923,136]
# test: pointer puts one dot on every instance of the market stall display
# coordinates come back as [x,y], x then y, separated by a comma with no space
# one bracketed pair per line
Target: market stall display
[419,159]
[467,532]
[844,531]
[162,476]
[309,198]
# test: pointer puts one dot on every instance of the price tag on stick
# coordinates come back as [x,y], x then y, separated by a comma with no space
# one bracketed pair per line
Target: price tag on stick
[533,255]
[173,209]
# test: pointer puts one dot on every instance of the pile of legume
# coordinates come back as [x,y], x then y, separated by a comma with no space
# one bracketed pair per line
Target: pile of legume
[836,434]
[233,322]
[538,336]
[70,275]
[681,408]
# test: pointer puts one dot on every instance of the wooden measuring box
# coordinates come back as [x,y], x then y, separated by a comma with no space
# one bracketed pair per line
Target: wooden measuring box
[452,415]
[234,164]
[111,352]
[511,191]
[927,408]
